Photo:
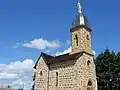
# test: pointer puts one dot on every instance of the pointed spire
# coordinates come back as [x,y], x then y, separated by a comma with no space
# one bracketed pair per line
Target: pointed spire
[79,7]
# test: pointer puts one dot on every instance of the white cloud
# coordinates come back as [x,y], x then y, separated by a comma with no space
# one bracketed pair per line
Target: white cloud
[68,51]
[42,44]
[64,52]
[17,74]
[94,52]
[7,76]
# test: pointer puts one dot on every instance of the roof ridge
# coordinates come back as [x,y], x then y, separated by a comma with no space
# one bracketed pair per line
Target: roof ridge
[62,55]
[46,54]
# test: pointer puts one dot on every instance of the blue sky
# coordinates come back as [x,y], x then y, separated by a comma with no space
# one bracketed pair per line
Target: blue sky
[25,20]
[22,21]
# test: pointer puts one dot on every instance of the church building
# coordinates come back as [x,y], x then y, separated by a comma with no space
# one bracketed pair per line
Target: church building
[71,71]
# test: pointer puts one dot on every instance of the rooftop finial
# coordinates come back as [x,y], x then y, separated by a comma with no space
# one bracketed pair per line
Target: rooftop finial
[79,7]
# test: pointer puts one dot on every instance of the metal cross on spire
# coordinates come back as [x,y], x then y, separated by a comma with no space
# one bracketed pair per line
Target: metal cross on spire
[79,7]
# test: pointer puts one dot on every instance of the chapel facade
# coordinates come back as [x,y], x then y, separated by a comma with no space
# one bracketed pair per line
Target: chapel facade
[71,71]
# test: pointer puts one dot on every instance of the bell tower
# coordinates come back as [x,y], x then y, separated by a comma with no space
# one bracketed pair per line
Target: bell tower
[81,33]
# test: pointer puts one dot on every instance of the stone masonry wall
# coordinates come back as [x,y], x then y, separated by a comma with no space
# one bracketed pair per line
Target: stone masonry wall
[41,80]
[85,72]
[66,76]
[90,71]
[84,41]
[72,74]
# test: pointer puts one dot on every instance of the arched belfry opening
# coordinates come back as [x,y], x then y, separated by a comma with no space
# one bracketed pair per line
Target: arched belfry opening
[76,40]
[89,86]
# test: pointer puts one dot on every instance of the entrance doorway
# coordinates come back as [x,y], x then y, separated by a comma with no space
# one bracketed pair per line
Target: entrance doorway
[89,87]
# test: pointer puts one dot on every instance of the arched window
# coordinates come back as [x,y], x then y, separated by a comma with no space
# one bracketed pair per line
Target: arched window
[56,79]
[88,42]
[41,73]
[88,63]
[88,37]
[89,87]
[76,39]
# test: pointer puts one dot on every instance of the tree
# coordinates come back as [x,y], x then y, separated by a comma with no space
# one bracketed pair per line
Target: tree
[107,69]
[117,71]
[8,86]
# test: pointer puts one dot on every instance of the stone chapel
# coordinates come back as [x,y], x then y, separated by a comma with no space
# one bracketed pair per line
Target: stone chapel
[71,71]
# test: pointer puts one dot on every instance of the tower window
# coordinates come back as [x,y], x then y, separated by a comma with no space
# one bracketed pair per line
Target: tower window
[41,73]
[76,39]
[87,37]
[56,79]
